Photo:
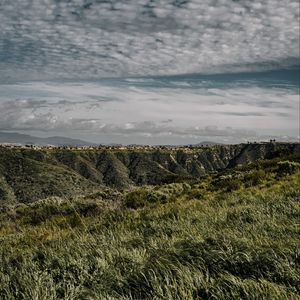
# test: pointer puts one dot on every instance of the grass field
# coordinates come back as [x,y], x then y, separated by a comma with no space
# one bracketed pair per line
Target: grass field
[233,235]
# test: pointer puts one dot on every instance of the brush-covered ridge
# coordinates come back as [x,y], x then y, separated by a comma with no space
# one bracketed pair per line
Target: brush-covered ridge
[28,175]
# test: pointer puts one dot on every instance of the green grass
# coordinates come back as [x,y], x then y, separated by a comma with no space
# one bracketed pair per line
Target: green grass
[196,239]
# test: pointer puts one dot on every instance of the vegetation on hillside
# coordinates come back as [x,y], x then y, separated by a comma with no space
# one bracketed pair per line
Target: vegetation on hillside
[229,235]
[27,175]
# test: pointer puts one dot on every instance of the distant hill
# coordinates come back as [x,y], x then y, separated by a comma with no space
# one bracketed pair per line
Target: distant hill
[27,175]
[17,138]
[206,143]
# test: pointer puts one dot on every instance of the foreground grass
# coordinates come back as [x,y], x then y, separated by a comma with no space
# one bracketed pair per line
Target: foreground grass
[229,236]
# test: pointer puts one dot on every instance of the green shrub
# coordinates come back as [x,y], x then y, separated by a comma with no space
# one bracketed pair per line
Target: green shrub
[158,194]
[255,177]
[227,183]
[195,193]
[136,199]
[287,167]
[141,197]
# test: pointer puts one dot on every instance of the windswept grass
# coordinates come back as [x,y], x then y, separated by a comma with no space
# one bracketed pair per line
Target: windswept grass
[233,235]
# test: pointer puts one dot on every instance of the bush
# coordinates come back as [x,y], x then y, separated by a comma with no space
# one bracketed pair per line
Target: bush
[141,198]
[287,167]
[159,194]
[228,183]
[136,199]
[254,178]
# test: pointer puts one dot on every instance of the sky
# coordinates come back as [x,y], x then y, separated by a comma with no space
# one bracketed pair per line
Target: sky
[150,71]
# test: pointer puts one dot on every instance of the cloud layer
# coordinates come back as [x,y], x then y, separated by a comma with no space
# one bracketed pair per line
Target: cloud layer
[138,111]
[56,54]
[106,38]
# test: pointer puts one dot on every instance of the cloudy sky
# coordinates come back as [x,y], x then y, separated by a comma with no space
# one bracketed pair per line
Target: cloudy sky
[150,71]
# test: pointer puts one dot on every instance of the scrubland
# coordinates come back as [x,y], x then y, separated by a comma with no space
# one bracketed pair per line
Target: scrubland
[228,235]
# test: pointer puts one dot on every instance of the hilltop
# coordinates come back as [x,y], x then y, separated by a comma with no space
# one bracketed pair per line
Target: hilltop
[28,174]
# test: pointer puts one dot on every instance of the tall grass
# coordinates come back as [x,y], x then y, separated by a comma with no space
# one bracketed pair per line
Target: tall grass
[194,240]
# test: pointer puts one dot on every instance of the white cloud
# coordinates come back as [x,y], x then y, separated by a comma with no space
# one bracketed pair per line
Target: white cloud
[93,39]
[130,111]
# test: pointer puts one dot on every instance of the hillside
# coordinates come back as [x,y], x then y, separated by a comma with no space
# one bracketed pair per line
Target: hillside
[27,175]
[228,235]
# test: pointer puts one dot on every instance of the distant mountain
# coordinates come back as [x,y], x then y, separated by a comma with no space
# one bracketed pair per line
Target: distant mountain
[17,138]
[207,143]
